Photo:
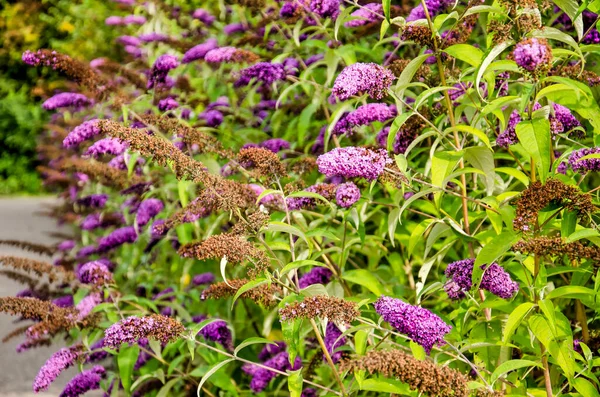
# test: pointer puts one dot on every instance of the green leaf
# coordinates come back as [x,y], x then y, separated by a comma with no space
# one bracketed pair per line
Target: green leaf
[360,342]
[471,130]
[515,173]
[442,164]
[304,120]
[251,341]
[534,136]
[480,9]
[585,387]
[466,53]
[365,278]
[295,383]
[417,351]
[568,223]
[298,264]
[126,361]
[165,391]
[483,158]
[247,287]
[555,34]
[511,365]
[285,228]
[214,369]
[291,336]
[499,49]
[492,251]
[571,292]
[408,73]
[384,385]
[571,8]
[395,127]
[581,234]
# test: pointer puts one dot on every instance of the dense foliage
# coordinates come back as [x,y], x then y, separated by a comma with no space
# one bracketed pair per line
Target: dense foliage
[324,197]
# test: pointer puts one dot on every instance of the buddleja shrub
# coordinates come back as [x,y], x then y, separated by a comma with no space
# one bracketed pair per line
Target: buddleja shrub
[324,198]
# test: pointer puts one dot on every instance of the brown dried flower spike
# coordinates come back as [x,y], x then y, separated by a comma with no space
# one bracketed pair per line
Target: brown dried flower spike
[264,161]
[332,308]
[548,246]
[263,295]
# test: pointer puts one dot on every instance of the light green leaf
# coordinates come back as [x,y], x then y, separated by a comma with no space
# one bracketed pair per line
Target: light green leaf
[466,53]
[471,130]
[291,336]
[442,164]
[298,264]
[251,341]
[492,251]
[295,383]
[511,365]
[483,158]
[585,387]
[554,34]
[581,234]
[365,278]
[534,136]
[385,385]
[285,228]
[571,8]
[166,389]
[126,361]
[499,49]
[571,292]
[247,287]
[214,369]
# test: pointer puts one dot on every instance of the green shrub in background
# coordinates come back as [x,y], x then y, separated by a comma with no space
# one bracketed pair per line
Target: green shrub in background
[76,28]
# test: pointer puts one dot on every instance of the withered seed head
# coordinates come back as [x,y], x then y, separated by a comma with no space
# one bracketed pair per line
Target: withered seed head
[32,247]
[549,246]
[264,161]
[54,273]
[335,309]
[101,172]
[263,295]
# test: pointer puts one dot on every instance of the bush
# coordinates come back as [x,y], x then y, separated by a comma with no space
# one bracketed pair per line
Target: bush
[324,198]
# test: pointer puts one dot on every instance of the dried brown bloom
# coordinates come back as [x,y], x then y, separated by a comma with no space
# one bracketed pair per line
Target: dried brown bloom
[500,31]
[115,69]
[14,333]
[556,246]
[574,72]
[20,278]
[160,150]
[75,70]
[101,172]
[423,74]
[419,34]
[36,309]
[335,309]
[31,247]
[264,161]
[252,224]
[235,248]
[38,268]
[263,295]
[305,165]
[537,196]
[424,376]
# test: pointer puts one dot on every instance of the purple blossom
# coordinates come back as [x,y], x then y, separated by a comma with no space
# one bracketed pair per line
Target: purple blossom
[112,146]
[495,280]
[361,78]
[365,15]
[275,145]
[263,72]
[127,331]
[203,278]
[134,20]
[352,162]
[66,100]
[213,117]
[232,28]
[419,324]
[66,245]
[64,301]
[87,304]
[81,133]
[161,68]
[313,59]
[204,16]
[271,350]
[403,139]
[153,37]
[363,115]
[297,203]
[84,382]
[261,377]
[332,333]
[113,21]
[94,272]
[167,104]
[58,362]
[291,66]
[117,238]
[533,54]
[317,275]
[97,355]
[156,232]
[147,210]
[199,51]
[86,251]
[586,165]
[288,9]
[219,332]
[309,392]
[325,8]
[347,194]
[270,200]
[93,201]
[434,7]
[129,40]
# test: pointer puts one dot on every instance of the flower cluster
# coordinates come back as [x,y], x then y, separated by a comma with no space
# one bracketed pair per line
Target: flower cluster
[131,329]
[495,280]
[353,162]
[362,78]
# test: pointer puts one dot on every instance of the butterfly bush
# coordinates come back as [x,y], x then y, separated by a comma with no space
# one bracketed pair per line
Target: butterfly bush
[278,197]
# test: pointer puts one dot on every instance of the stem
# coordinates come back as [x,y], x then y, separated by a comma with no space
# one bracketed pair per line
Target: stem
[328,356]
[547,379]
[582,319]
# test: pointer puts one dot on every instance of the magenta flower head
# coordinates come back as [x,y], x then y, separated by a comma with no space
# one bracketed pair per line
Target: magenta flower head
[229,54]
[325,8]
[420,324]
[87,304]
[84,382]
[94,272]
[134,20]
[275,145]
[219,332]
[317,275]
[232,28]
[66,245]
[81,133]
[113,21]
[66,100]
[435,7]
[161,68]
[353,162]
[586,165]
[64,301]
[58,362]
[111,146]
[199,51]
[213,117]
[347,194]
[153,37]
[147,210]
[204,16]
[261,377]
[533,55]
[93,201]
[271,350]
[263,72]
[364,115]
[361,78]
[495,280]
[117,238]
[167,104]
[365,15]
[129,40]
[203,278]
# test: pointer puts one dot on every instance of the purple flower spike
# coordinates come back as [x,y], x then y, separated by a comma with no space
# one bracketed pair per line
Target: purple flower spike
[275,145]
[495,280]
[421,325]
[217,331]
[204,16]
[66,100]
[117,238]
[57,363]
[93,201]
[347,194]
[435,7]
[361,78]
[213,118]
[352,162]
[84,382]
[111,146]
[81,133]
[533,54]
[64,301]
[94,272]
[199,51]
[263,72]
[271,350]
[134,20]
[317,275]
[325,8]
[365,15]
[66,245]
[583,166]
[148,209]
[262,377]
[332,333]
[202,279]
[364,115]
[167,104]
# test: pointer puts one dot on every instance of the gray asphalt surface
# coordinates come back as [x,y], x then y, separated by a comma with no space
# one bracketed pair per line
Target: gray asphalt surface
[19,221]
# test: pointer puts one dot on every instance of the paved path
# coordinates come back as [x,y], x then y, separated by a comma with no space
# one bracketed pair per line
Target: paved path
[19,221]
